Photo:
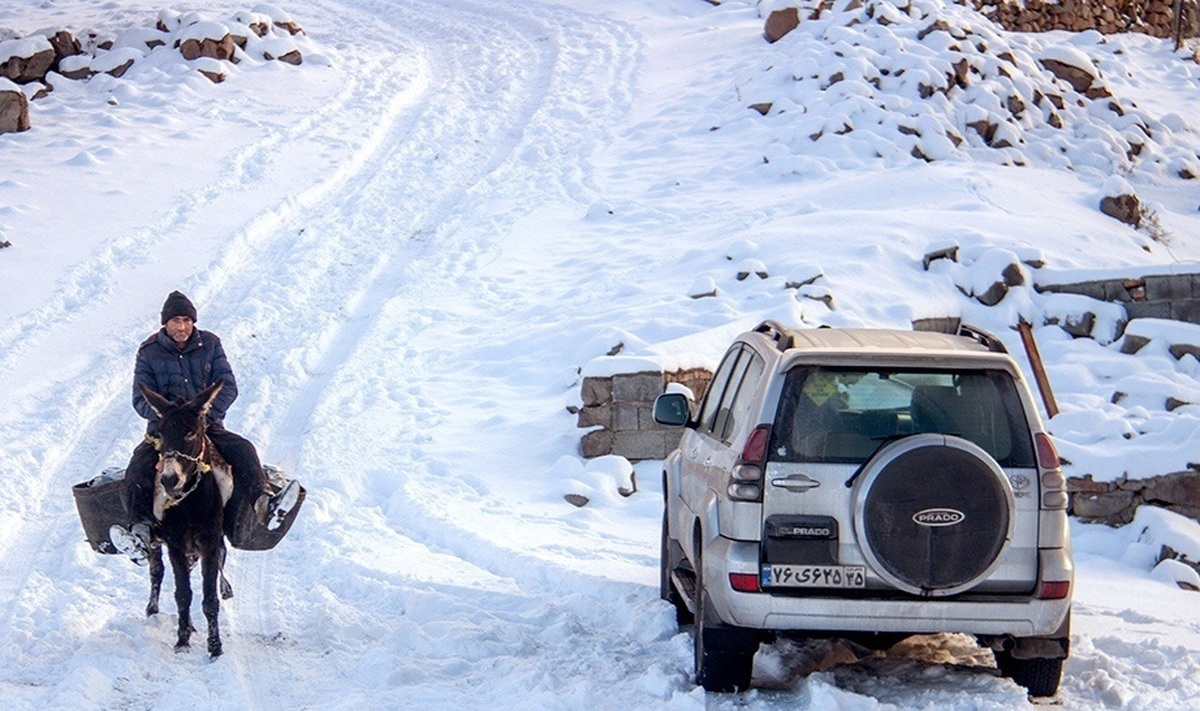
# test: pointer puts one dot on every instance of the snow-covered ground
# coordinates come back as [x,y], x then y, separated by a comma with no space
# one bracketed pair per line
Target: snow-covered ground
[413,244]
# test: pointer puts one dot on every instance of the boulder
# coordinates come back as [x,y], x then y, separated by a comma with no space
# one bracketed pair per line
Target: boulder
[207,47]
[1124,208]
[65,45]
[781,22]
[14,108]
[1079,78]
[26,60]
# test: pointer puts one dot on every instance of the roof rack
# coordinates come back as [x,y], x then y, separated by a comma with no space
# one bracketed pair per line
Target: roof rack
[982,337]
[776,332]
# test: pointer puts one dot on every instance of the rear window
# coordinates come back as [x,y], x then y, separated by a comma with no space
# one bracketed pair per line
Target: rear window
[845,415]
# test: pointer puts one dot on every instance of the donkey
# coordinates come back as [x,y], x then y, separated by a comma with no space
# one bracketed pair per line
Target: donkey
[191,488]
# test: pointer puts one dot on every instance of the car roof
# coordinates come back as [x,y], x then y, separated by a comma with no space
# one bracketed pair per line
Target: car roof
[843,346]
[881,339]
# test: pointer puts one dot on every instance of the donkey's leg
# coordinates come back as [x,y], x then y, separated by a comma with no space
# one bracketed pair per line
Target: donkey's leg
[156,576]
[183,596]
[210,566]
[226,588]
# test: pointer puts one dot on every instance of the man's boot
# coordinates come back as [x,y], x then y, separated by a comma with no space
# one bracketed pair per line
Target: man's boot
[133,542]
[272,510]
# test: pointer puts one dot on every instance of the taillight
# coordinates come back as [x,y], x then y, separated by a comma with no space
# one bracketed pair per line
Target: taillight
[744,582]
[1054,590]
[1046,453]
[1054,484]
[746,477]
[755,450]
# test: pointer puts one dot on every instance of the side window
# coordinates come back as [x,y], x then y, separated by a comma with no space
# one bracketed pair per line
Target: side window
[723,424]
[740,409]
[716,389]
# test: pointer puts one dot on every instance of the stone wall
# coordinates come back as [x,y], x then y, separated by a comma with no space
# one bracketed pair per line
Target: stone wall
[1169,296]
[622,406]
[1116,502]
[1152,17]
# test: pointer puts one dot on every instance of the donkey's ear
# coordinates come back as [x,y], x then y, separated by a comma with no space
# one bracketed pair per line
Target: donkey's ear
[157,402]
[206,397]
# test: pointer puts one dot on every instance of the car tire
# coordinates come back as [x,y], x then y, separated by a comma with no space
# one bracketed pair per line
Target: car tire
[666,586]
[1039,676]
[724,655]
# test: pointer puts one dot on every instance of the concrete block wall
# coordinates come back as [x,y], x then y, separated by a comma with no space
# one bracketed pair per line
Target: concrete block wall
[622,406]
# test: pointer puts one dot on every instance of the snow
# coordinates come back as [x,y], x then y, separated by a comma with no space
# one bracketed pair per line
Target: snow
[415,244]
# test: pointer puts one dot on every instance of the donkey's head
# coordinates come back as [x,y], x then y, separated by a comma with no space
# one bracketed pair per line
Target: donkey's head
[180,440]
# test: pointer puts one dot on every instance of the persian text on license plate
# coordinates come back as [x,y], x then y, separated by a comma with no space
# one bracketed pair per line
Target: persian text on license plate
[814,576]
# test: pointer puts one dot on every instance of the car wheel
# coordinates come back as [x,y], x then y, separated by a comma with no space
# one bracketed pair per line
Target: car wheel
[1039,676]
[724,655]
[933,513]
[666,586]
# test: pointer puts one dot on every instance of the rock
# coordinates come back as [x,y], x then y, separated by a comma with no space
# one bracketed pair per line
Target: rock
[1179,350]
[596,391]
[290,27]
[597,443]
[752,266]
[1180,488]
[293,57]
[1079,78]
[214,77]
[64,45]
[76,67]
[1123,208]
[781,22]
[576,500]
[28,59]
[14,108]
[1114,508]
[119,70]
[950,253]
[595,416]
[208,47]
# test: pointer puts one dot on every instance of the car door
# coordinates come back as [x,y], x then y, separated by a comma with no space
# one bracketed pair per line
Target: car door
[698,448]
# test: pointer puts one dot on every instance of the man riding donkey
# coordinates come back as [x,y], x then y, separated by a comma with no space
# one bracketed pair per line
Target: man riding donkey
[179,361]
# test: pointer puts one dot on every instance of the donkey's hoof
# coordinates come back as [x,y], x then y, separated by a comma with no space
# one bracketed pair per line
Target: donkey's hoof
[151,610]
[214,650]
[182,647]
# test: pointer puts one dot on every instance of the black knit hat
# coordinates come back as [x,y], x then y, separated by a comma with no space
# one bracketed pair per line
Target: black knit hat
[177,305]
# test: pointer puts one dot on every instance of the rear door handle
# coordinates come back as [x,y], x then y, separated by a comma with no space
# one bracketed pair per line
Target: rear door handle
[796,482]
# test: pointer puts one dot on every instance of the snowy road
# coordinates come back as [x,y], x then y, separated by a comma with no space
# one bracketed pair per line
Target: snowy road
[408,257]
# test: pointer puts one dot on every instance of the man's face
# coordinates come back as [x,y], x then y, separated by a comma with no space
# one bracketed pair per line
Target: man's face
[180,329]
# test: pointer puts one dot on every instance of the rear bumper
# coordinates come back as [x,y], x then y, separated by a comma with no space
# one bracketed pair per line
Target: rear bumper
[1016,616]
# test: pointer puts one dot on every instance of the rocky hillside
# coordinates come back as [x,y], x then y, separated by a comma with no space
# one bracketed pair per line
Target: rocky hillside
[933,81]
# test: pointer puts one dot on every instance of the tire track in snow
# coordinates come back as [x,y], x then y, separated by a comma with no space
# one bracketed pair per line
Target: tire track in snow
[65,431]
[354,292]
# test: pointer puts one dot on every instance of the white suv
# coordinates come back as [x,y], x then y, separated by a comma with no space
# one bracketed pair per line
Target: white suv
[870,485]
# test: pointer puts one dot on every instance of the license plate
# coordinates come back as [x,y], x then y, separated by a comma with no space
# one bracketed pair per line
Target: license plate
[814,576]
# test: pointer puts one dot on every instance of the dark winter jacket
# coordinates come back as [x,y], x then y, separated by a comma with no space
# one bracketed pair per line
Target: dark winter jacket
[175,373]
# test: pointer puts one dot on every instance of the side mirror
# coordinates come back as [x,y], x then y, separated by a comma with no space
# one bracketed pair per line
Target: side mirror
[672,409]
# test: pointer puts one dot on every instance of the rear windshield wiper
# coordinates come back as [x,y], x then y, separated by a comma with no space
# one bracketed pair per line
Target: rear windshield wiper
[883,442]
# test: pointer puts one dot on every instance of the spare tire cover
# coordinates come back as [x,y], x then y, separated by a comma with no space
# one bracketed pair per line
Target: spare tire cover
[933,514]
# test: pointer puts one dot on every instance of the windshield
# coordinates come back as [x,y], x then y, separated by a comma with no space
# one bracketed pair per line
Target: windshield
[840,415]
